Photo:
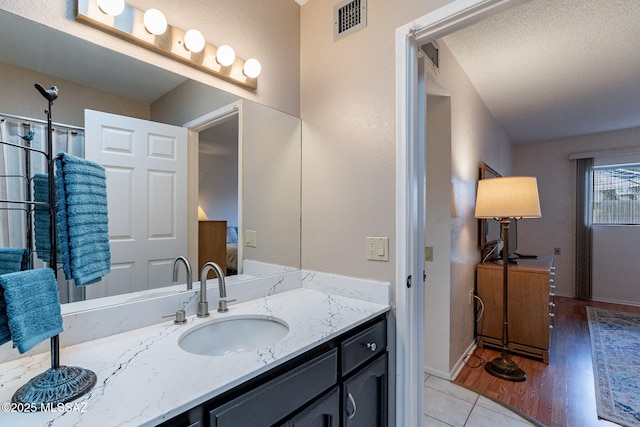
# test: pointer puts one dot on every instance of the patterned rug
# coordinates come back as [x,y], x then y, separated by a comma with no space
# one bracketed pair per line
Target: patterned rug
[615,348]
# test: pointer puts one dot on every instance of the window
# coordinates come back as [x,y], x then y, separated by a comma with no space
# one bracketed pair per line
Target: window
[616,194]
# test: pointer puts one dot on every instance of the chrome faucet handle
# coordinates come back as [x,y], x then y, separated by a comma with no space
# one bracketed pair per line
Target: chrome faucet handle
[180,317]
[222,305]
[203,309]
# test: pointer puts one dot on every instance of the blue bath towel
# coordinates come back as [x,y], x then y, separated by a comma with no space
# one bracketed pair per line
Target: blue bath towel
[42,217]
[82,220]
[13,259]
[30,307]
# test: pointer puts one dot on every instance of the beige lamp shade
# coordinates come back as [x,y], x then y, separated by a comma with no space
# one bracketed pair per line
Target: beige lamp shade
[508,197]
[202,216]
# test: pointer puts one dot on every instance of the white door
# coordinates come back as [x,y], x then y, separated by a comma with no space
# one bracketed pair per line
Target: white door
[146,168]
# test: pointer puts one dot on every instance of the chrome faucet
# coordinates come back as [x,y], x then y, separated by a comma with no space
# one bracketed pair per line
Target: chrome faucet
[188,268]
[203,305]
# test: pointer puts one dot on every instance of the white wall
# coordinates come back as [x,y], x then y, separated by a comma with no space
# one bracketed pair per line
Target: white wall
[437,291]
[615,269]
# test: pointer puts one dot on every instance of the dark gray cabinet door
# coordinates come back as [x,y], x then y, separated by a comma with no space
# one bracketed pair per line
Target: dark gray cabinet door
[275,400]
[364,396]
[323,413]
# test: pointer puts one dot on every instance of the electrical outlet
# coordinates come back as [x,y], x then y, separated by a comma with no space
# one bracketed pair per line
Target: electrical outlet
[556,251]
[470,296]
[377,248]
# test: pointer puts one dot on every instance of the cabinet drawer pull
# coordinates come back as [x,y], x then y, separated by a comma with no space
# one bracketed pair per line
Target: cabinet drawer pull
[552,304]
[372,346]
[353,403]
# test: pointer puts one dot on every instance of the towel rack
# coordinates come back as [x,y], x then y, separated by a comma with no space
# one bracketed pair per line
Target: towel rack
[27,168]
[59,384]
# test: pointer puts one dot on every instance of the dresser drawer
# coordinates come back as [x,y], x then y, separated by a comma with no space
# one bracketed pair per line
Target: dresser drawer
[362,347]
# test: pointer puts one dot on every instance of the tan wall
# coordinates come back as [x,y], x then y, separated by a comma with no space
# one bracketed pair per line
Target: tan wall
[349,136]
[19,97]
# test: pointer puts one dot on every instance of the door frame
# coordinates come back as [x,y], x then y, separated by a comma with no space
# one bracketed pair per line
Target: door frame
[194,127]
[411,141]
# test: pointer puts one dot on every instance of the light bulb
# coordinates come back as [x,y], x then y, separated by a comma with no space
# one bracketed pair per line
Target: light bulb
[225,55]
[252,68]
[194,41]
[111,7]
[155,22]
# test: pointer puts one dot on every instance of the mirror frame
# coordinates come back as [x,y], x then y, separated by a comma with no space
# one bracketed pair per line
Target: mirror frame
[486,172]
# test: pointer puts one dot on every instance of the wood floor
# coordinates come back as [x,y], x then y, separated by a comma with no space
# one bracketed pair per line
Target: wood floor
[560,394]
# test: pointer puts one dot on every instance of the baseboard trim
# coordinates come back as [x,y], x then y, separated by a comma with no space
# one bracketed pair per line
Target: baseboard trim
[615,301]
[460,363]
[450,376]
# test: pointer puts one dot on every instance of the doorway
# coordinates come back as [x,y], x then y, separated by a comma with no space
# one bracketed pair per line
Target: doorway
[411,142]
[215,187]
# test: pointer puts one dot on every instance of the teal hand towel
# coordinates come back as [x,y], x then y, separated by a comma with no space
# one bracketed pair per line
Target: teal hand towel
[82,219]
[31,306]
[42,217]
[13,259]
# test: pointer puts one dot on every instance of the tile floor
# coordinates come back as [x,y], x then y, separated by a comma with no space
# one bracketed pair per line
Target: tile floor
[449,405]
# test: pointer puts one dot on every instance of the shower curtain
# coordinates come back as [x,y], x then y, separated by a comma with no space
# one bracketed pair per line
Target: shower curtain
[13,175]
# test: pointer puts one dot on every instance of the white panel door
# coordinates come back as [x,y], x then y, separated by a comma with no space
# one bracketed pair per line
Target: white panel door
[146,167]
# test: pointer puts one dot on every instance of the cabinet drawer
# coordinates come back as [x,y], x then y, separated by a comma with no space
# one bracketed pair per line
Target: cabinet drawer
[273,401]
[364,346]
[323,413]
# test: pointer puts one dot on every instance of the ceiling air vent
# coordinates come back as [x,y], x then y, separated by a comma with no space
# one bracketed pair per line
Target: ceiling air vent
[348,17]
[430,50]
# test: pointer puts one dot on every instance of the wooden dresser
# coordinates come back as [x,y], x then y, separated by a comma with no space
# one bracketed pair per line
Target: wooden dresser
[530,310]
[212,245]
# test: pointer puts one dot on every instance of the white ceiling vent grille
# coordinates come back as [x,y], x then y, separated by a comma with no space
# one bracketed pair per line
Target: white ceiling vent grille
[348,17]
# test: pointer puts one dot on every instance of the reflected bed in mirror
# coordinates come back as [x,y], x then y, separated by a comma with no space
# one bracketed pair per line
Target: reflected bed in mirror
[267,177]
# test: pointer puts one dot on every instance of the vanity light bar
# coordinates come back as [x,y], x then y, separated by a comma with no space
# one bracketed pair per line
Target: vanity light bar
[130,26]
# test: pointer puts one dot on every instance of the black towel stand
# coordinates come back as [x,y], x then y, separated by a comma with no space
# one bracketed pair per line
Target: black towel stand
[59,384]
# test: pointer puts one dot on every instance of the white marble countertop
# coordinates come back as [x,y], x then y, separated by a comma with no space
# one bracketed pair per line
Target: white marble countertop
[145,378]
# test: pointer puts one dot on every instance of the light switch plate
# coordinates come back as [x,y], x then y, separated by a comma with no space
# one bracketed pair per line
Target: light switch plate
[251,238]
[377,248]
[428,253]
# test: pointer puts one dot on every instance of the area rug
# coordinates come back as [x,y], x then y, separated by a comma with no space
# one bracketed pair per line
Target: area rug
[615,348]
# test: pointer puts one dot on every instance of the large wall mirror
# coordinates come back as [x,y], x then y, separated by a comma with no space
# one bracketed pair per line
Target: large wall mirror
[251,159]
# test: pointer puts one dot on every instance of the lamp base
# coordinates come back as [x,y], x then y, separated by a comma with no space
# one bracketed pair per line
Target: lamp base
[505,368]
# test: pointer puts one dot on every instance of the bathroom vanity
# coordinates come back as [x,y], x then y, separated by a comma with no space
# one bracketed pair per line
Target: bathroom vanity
[332,364]
[340,382]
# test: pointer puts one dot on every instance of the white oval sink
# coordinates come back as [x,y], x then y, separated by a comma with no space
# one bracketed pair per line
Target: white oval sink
[231,335]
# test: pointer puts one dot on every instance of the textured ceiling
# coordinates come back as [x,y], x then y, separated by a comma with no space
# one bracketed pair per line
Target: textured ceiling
[551,69]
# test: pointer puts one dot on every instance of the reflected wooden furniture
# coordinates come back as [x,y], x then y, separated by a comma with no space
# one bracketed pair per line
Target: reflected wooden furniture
[212,245]
[531,292]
